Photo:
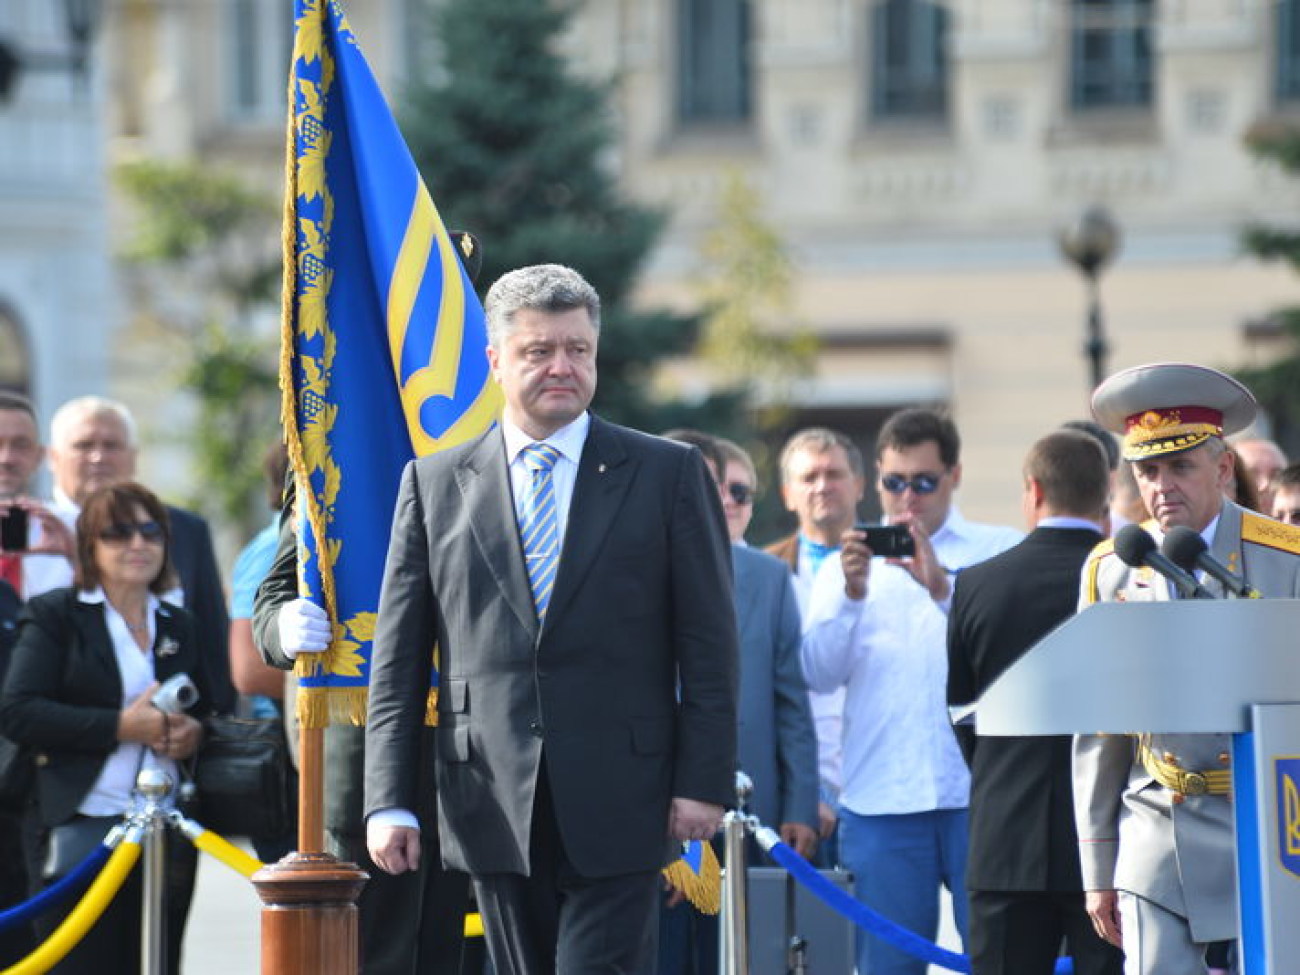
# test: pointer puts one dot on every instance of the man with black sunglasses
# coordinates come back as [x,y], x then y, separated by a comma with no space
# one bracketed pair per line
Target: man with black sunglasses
[878,628]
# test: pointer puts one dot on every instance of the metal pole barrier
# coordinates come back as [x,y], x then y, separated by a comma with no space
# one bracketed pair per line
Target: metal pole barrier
[796,947]
[155,785]
[733,946]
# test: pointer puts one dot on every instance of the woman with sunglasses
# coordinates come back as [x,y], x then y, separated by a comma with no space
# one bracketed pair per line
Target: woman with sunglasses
[87,661]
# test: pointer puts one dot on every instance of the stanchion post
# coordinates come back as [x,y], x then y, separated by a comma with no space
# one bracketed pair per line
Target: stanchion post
[733,946]
[155,786]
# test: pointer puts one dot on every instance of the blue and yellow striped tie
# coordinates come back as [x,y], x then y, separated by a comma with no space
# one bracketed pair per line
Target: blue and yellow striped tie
[539,524]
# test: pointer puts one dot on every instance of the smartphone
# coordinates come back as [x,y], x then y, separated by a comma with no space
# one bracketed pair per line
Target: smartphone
[13,529]
[889,541]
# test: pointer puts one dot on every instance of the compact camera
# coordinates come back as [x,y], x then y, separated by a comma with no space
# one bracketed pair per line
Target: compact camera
[175,694]
[889,541]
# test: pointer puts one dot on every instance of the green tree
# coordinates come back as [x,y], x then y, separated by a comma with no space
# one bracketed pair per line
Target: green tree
[1277,385]
[208,235]
[749,335]
[745,281]
[514,148]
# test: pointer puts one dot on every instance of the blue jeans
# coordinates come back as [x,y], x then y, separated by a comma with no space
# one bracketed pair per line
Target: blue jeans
[898,863]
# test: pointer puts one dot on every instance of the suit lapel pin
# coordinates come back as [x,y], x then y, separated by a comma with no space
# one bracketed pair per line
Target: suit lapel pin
[167,647]
[600,469]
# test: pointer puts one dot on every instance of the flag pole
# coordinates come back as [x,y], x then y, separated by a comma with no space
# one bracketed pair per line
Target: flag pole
[311,792]
[310,923]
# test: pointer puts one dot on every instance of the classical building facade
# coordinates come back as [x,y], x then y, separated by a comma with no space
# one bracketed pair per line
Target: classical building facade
[57,314]
[920,159]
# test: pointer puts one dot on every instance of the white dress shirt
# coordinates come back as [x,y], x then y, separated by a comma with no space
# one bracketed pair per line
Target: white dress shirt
[890,652]
[569,441]
[827,709]
[111,793]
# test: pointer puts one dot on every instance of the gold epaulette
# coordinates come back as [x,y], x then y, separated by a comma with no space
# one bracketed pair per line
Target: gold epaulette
[1273,534]
[1102,549]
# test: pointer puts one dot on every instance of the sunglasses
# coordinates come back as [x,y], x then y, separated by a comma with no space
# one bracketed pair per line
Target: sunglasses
[919,483]
[120,532]
[740,493]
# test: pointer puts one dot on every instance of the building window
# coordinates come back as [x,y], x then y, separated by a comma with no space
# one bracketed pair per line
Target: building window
[909,62]
[713,61]
[1288,49]
[1111,53]
[259,44]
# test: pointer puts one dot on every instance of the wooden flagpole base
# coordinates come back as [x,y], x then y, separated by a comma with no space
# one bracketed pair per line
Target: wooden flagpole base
[309,915]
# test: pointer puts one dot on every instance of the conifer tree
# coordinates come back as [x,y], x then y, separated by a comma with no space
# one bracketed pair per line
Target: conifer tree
[515,148]
[1277,385]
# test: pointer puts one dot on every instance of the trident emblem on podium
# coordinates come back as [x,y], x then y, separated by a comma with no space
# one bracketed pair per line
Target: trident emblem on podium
[1288,813]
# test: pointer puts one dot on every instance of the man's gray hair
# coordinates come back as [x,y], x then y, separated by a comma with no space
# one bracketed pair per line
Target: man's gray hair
[818,440]
[74,409]
[540,287]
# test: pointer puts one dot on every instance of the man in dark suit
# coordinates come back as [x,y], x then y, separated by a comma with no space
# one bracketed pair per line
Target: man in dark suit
[587,706]
[1022,872]
[93,443]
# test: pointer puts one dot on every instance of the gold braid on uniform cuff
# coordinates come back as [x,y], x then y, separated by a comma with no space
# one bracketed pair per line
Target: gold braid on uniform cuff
[1211,782]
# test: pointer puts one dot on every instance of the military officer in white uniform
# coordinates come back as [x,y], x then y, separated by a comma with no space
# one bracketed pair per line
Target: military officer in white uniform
[1155,824]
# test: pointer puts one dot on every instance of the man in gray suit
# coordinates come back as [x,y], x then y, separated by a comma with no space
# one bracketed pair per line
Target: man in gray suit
[1155,825]
[776,744]
[575,577]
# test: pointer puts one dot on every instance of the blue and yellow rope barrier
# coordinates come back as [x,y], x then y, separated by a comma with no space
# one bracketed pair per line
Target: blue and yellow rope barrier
[88,910]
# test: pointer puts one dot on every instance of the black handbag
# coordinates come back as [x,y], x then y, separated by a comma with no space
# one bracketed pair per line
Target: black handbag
[71,842]
[241,777]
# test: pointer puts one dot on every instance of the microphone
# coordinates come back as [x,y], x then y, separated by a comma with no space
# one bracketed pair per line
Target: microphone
[1186,549]
[1137,548]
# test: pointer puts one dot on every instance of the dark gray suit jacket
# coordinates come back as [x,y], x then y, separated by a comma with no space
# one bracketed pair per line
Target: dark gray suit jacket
[777,743]
[195,562]
[641,610]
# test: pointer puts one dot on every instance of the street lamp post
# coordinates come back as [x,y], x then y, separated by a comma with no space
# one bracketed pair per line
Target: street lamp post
[1090,243]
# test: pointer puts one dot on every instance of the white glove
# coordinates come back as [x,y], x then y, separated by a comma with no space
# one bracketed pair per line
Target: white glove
[304,628]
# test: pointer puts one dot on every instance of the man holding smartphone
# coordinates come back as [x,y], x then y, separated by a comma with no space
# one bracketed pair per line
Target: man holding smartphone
[878,627]
[35,546]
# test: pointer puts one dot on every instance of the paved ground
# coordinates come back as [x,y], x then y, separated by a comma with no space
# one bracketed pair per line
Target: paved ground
[223,933]
[222,937]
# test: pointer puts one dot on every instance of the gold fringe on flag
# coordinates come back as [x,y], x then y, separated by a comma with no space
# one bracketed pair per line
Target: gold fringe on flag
[320,707]
[703,889]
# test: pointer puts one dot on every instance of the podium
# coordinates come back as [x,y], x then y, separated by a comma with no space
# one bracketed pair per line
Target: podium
[1188,666]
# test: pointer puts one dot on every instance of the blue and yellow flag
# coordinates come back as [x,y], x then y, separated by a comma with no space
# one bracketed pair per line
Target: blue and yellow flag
[382,352]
